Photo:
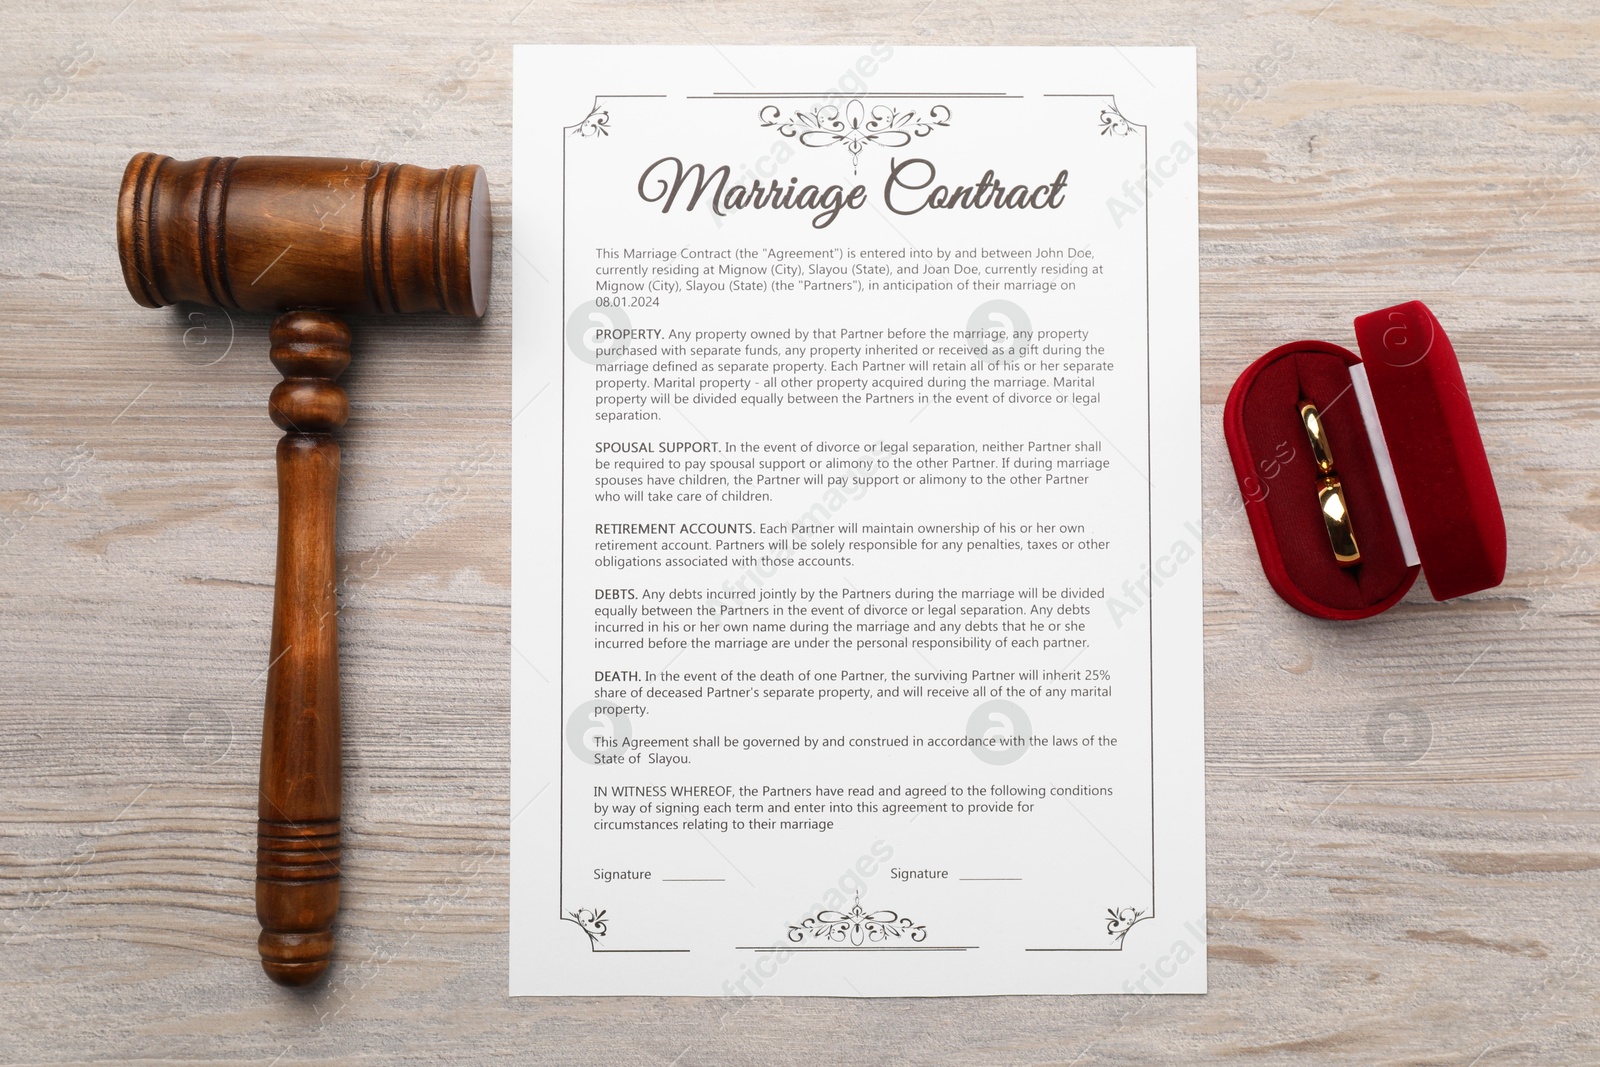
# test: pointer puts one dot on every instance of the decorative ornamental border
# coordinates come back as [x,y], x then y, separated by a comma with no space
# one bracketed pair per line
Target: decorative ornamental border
[888,127]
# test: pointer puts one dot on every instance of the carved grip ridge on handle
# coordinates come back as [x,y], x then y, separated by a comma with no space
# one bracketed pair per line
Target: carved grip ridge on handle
[297,842]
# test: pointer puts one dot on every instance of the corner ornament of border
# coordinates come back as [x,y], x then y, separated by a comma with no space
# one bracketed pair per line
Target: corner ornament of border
[597,123]
[591,922]
[1122,921]
[1112,121]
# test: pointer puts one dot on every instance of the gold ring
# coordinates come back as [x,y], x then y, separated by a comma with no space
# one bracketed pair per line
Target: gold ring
[1330,499]
[1321,450]
[1330,494]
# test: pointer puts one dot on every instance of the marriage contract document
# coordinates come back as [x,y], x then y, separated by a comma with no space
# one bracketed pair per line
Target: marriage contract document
[856,598]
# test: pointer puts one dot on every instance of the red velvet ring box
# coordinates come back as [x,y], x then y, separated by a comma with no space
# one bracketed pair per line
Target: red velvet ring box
[1406,449]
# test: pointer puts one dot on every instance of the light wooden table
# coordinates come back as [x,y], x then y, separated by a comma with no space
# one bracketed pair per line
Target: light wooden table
[1403,835]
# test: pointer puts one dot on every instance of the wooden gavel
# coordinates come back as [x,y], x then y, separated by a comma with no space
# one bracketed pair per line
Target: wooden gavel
[304,237]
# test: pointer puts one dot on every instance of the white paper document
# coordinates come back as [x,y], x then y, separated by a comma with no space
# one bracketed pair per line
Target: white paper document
[856,598]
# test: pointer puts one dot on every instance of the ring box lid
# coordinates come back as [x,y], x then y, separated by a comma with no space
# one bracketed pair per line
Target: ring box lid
[1439,461]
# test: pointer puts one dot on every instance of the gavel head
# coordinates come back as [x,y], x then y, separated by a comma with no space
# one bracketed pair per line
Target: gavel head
[275,233]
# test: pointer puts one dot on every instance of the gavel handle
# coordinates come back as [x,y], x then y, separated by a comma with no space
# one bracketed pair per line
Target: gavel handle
[297,843]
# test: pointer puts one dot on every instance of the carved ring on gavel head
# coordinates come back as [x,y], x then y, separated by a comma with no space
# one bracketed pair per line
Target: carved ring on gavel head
[303,238]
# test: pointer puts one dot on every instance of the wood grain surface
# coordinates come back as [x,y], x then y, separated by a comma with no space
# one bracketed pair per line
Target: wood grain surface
[1404,840]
